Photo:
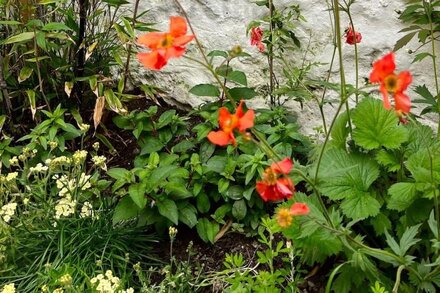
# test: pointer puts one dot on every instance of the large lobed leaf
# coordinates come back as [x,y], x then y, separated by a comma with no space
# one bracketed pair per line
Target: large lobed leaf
[377,127]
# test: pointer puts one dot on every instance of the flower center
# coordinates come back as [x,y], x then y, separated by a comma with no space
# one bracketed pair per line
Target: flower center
[270,177]
[167,41]
[391,83]
[230,124]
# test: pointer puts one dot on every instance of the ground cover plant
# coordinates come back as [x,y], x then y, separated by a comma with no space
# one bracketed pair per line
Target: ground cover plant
[353,209]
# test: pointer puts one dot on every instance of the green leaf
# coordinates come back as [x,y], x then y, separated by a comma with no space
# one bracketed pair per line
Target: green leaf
[238,77]
[240,93]
[216,164]
[23,37]
[205,90]
[239,209]
[381,223]
[203,203]
[119,173]
[168,209]
[377,127]
[419,57]
[187,214]
[126,209]
[348,177]
[388,159]
[403,194]
[166,118]
[218,53]
[56,26]
[178,189]
[403,41]
[360,205]
[25,73]
[137,194]
[409,239]
[207,230]
[340,131]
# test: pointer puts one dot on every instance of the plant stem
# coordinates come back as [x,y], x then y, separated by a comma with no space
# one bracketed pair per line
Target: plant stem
[341,61]
[133,23]
[356,56]
[40,79]
[398,275]
[205,59]
[270,54]
[4,95]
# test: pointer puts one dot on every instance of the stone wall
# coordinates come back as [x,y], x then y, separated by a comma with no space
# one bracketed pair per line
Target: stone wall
[221,24]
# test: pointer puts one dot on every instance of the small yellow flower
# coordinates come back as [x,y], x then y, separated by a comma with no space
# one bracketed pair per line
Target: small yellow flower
[65,280]
[284,217]
[10,288]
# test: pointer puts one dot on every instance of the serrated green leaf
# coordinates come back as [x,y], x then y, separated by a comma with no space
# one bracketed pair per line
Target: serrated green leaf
[388,159]
[360,205]
[402,195]
[377,127]
[343,175]
[340,131]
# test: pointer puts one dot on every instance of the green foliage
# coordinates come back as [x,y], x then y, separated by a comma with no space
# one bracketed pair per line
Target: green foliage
[188,180]
[376,127]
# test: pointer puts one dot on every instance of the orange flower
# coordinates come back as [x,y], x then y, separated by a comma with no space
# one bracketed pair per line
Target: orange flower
[275,185]
[164,45]
[352,37]
[299,209]
[284,216]
[256,38]
[390,82]
[228,122]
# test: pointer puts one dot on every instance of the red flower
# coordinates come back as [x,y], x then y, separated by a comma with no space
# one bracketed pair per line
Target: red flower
[299,209]
[228,122]
[284,216]
[390,82]
[352,37]
[164,45]
[256,38]
[275,185]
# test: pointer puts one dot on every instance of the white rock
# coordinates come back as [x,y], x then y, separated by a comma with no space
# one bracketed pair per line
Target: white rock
[221,24]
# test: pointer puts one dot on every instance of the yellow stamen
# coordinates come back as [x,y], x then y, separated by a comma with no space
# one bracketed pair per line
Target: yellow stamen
[391,83]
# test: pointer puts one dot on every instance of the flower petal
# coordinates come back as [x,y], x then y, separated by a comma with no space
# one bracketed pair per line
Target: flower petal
[403,80]
[382,68]
[247,121]
[262,190]
[299,208]
[174,52]
[282,167]
[220,138]
[283,187]
[151,40]
[183,40]
[152,60]
[178,26]
[224,117]
[402,103]
[386,100]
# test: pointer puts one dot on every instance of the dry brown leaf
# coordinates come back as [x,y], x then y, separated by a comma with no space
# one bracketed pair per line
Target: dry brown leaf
[99,109]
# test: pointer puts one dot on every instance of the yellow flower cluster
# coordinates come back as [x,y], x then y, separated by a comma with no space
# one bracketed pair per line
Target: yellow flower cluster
[39,168]
[7,211]
[79,157]
[99,161]
[10,288]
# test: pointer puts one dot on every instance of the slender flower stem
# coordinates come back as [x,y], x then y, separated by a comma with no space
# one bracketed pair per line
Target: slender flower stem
[270,54]
[356,56]
[398,275]
[341,61]
[207,64]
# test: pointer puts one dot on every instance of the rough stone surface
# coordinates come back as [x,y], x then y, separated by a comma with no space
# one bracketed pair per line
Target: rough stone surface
[221,24]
